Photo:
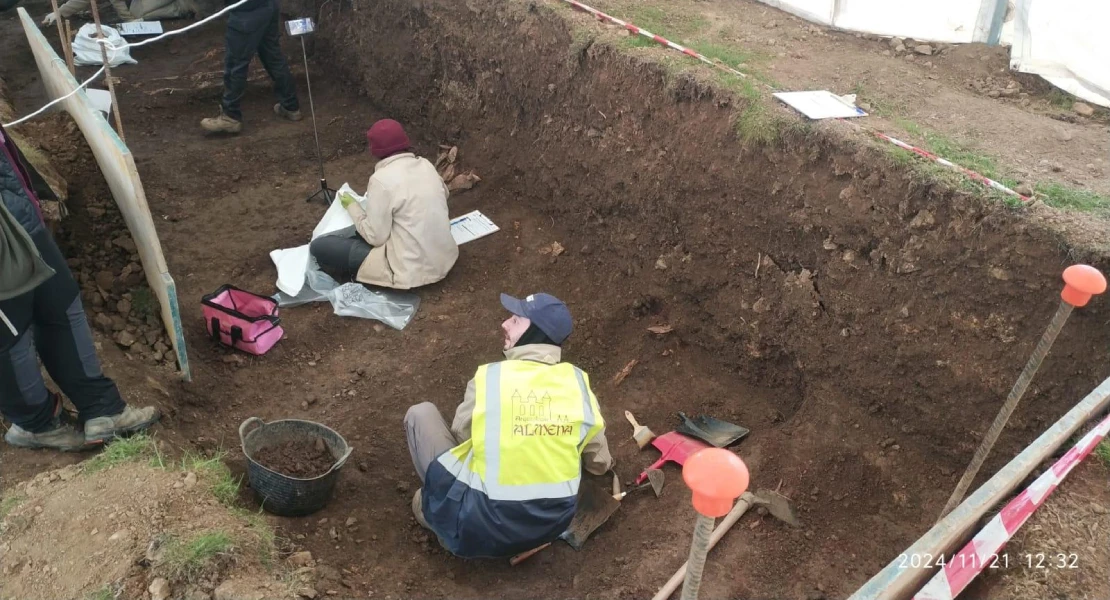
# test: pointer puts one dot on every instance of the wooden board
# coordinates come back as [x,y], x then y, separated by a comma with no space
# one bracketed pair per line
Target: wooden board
[898,581]
[118,165]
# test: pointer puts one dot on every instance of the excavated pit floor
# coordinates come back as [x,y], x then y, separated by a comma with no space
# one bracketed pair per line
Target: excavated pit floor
[794,312]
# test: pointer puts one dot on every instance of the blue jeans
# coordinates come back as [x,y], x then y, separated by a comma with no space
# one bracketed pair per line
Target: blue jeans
[250,32]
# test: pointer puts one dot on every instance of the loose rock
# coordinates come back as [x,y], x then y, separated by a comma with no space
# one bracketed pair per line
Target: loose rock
[924,49]
[1083,109]
[923,220]
[190,479]
[159,589]
[300,559]
[125,339]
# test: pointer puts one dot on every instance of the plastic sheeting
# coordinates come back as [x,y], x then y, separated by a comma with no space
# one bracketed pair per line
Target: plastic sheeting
[1061,40]
[86,48]
[301,281]
[1065,42]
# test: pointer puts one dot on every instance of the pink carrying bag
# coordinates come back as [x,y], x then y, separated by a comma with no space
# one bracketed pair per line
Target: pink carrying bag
[242,320]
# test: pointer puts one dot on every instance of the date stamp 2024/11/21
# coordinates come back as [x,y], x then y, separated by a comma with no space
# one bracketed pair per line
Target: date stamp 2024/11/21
[1006,560]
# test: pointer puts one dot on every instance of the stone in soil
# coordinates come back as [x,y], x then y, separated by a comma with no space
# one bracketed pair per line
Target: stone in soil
[1083,109]
[304,459]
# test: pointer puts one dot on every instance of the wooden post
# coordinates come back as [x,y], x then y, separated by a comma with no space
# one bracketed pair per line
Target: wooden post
[69,49]
[63,37]
[107,71]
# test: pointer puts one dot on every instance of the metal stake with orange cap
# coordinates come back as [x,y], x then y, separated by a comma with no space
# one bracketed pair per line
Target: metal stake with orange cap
[1080,283]
[717,477]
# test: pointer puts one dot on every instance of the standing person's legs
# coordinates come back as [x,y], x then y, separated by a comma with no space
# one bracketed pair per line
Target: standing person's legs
[340,257]
[64,339]
[244,34]
[65,344]
[269,52]
[24,399]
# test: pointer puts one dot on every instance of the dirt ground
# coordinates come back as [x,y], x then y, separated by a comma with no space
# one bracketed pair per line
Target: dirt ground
[862,323]
[965,93]
[115,530]
[1061,553]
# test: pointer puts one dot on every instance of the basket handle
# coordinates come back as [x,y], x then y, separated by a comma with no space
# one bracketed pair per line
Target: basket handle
[247,426]
[343,459]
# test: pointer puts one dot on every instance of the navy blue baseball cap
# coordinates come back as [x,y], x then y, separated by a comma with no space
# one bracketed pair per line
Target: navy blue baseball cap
[545,311]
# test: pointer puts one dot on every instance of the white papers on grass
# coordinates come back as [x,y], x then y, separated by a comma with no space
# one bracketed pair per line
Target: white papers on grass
[820,104]
[100,100]
[141,28]
[472,226]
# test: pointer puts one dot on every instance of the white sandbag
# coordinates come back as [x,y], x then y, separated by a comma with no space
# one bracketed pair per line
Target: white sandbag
[86,49]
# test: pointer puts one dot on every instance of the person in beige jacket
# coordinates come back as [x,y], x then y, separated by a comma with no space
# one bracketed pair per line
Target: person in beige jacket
[152,10]
[404,232]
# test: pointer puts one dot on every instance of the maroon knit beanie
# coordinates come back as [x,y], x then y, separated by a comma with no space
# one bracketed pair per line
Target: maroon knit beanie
[387,138]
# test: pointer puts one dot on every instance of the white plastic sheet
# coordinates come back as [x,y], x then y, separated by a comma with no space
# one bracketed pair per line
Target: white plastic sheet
[301,281]
[1065,42]
[86,49]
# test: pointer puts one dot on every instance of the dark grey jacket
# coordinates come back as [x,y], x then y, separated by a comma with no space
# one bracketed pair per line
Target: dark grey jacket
[15,187]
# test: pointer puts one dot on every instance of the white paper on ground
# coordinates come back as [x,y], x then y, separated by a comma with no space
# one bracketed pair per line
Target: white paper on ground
[471,226]
[100,99]
[141,28]
[821,104]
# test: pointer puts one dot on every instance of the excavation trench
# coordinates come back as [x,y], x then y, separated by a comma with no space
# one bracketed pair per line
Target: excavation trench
[864,325]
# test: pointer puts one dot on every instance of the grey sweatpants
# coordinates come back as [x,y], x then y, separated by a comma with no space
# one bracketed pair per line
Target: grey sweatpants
[428,436]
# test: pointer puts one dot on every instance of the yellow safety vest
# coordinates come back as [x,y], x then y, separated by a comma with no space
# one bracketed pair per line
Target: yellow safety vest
[530,424]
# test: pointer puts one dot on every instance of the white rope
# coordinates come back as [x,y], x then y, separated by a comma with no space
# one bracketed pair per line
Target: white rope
[112,50]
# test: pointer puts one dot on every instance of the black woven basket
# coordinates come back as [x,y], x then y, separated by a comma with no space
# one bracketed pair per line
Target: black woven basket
[281,494]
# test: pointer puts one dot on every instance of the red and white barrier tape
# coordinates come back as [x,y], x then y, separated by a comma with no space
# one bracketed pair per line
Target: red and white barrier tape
[655,38]
[987,181]
[982,551]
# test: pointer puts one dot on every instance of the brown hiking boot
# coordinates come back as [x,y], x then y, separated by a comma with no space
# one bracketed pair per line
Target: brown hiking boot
[61,436]
[221,124]
[131,420]
[285,113]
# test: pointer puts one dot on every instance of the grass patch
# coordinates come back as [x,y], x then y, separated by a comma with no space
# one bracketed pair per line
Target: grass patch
[266,538]
[224,486]
[104,593]
[143,302]
[1060,99]
[186,560]
[1102,451]
[123,450]
[8,504]
[661,22]
[1061,196]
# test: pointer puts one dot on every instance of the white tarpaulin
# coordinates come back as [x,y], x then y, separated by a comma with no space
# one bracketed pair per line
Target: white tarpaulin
[1065,42]
[1061,40]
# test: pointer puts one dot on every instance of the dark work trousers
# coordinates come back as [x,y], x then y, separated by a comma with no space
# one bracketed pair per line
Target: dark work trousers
[250,32]
[52,325]
[340,257]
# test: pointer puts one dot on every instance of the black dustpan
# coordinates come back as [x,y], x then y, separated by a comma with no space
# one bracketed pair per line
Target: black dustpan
[714,432]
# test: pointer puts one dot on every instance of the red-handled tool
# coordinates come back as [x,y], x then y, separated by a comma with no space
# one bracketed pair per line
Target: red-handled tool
[676,448]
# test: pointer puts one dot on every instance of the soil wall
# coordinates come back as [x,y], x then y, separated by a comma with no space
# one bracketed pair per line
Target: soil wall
[890,315]
[919,301]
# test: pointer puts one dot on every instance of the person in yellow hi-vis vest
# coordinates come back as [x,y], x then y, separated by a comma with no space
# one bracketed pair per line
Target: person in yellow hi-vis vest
[504,477]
